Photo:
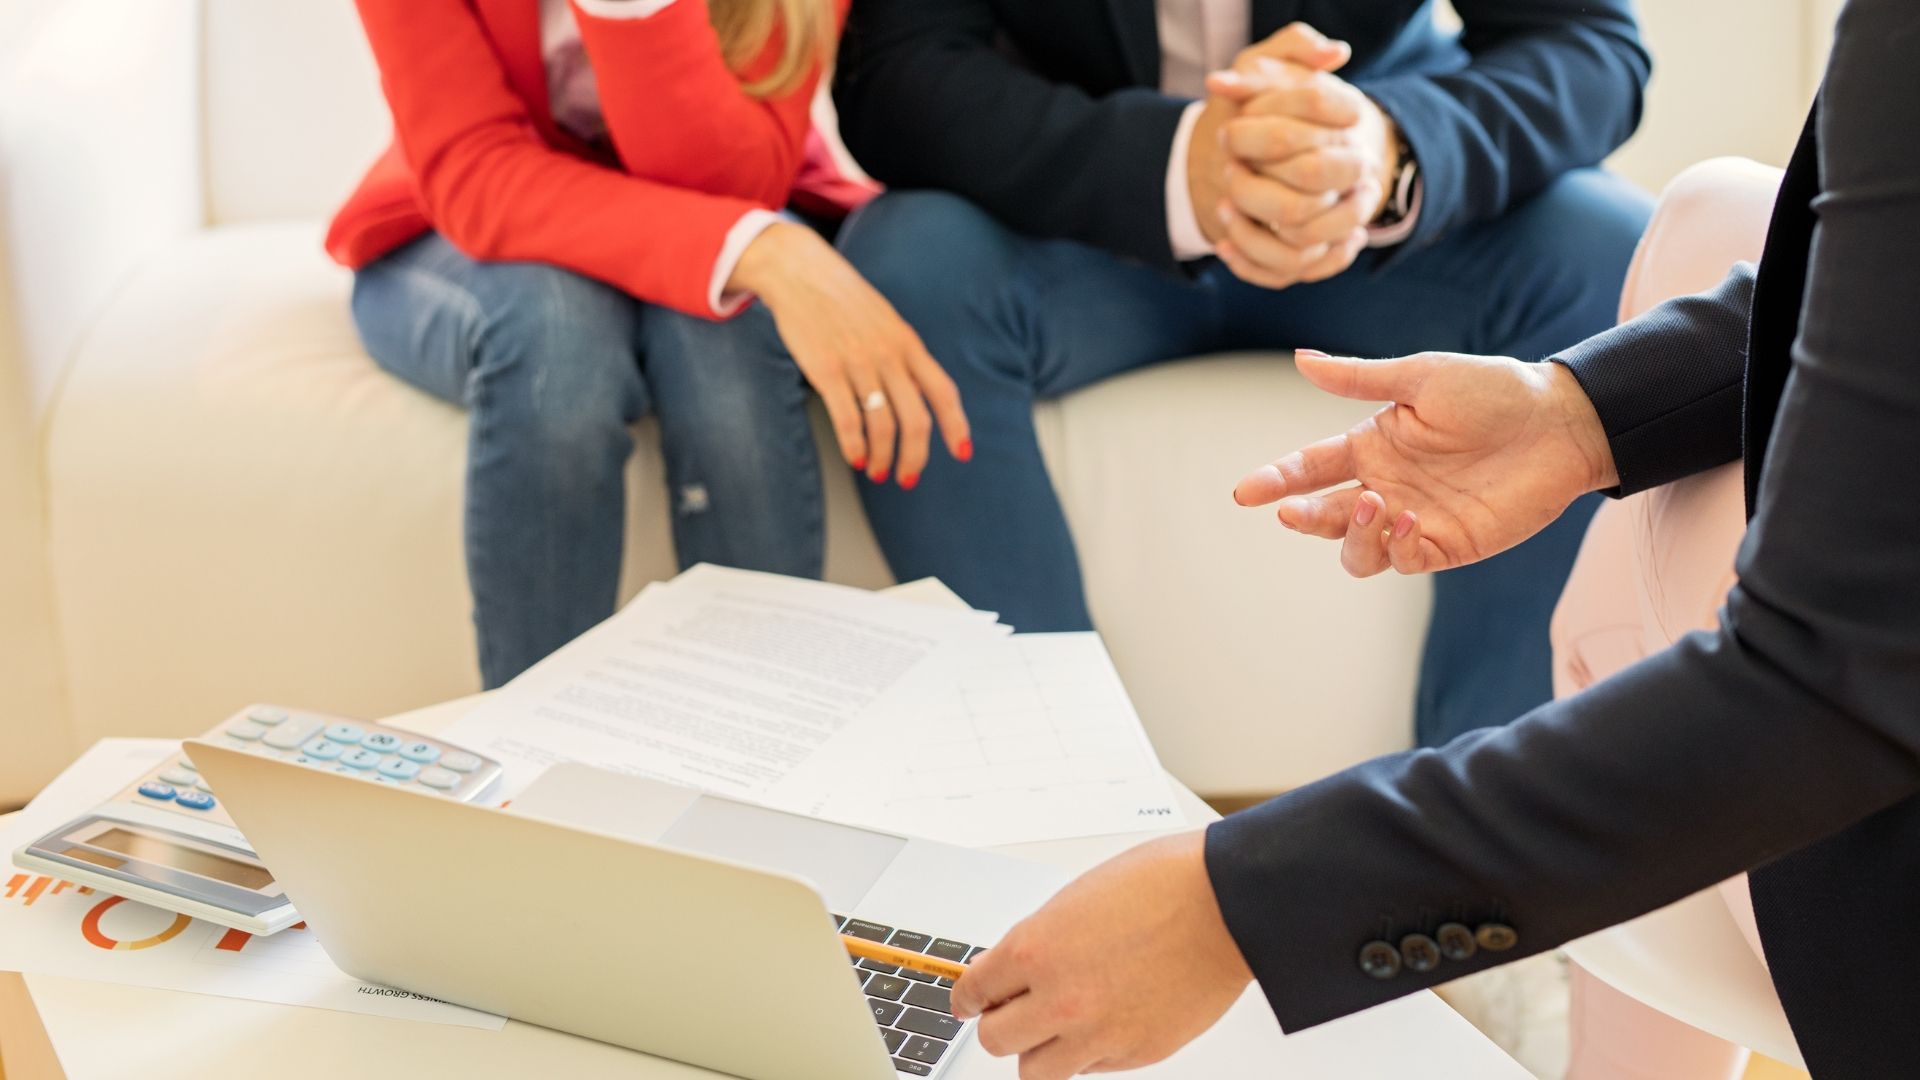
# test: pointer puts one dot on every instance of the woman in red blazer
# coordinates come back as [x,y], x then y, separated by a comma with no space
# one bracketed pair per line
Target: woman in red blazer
[580,201]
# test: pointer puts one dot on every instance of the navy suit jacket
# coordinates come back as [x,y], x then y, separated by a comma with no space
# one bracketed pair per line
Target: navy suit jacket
[1786,743]
[1048,114]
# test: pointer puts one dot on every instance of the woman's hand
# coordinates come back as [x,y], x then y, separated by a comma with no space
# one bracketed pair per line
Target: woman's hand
[1473,455]
[881,387]
[1123,967]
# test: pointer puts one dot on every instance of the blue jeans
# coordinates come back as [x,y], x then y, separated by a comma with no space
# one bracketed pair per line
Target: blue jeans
[553,368]
[1015,319]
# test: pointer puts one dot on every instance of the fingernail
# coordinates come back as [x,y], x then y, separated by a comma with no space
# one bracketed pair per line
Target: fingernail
[907,480]
[1363,513]
[965,452]
[878,477]
[1311,354]
[1231,78]
[1403,526]
[860,463]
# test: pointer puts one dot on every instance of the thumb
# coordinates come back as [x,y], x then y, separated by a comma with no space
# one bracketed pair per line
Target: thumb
[1395,379]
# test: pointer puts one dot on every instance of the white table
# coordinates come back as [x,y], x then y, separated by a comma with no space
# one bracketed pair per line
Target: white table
[111,1032]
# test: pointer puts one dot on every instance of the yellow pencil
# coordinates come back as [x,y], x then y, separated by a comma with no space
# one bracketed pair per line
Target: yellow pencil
[887,954]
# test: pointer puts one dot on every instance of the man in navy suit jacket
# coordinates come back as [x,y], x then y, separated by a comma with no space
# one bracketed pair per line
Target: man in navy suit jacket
[1091,201]
[1786,742]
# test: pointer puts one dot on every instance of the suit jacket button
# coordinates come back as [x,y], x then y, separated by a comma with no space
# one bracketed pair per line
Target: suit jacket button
[1455,941]
[1496,937]
[1379,960]
[1420,952]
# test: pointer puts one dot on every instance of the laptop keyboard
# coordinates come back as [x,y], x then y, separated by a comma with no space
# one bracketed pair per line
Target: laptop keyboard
[913,1010]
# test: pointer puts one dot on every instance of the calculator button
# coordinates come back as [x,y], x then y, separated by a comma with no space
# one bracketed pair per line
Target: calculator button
[266,714]
[437,777]
[360,758]
[318,747]
[183,763]
[247,730]
[383,742]
[178,776]
[399,769]
[346,733]
[420,753]
[202,784]
[289,735]
[460,761]
[153,789]
[195,800]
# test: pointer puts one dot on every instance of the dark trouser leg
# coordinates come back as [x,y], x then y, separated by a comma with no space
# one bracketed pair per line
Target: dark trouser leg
[1012,319]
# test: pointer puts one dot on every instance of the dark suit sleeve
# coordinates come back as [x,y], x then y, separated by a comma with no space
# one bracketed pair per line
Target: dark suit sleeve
[1793,720]
[1554,85]
[1667,385]
[926,100]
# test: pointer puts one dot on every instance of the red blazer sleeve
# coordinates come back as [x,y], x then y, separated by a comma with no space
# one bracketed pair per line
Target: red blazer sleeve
[493,187]
[676,114]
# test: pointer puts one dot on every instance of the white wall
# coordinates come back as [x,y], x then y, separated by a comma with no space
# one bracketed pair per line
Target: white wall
[1730,77]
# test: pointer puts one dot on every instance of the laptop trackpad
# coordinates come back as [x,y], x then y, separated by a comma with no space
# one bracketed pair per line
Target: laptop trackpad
[842,862]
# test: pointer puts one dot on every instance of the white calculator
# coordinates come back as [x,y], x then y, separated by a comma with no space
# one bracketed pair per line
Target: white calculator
[165,840]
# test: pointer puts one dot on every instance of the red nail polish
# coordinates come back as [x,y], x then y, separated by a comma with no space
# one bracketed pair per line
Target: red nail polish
[907,480]
[965,452]
[860,463]
[878,477]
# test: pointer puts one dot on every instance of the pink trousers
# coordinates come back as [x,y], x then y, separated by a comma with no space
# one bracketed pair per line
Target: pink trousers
[1654,568]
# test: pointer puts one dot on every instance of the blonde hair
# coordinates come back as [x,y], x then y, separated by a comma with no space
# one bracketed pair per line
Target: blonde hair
[806,32]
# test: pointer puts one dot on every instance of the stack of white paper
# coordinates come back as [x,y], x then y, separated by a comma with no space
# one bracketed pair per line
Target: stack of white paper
[904,711]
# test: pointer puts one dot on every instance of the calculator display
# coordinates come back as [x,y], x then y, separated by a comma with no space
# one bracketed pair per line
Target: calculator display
[155,850]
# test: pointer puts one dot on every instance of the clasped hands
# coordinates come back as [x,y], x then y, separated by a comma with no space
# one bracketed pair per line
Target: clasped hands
[1289,163]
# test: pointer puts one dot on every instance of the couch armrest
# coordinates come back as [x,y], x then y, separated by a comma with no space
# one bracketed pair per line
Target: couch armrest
[99,166]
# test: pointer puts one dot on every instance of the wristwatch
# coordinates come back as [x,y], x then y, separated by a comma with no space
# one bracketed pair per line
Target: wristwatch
[1400,198]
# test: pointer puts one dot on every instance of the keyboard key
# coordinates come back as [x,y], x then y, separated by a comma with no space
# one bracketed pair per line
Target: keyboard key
[889,987]
[911,1068]
[928,997]
[399,769]
[916,976]
[838,920]
[438,778]
[322,750]
[460,761]
[154,789]
[346,733]
[977,950]
[922,1022]
[924,1050]
[292,733]
[893,1039]
[884,969]
[360,758]
[872,931]
[949,950]
[247,730]
[907,939]
[178,777]
[884,1012]
[194,800]
[420,753]
[382,742]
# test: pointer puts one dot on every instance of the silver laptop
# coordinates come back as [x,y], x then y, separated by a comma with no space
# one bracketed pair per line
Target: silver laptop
[637,913]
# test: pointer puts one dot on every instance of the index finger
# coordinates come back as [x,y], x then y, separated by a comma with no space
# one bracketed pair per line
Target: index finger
[993,977]
[1310,468]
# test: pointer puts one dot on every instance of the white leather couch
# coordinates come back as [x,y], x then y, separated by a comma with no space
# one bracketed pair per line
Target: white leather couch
[239,505]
